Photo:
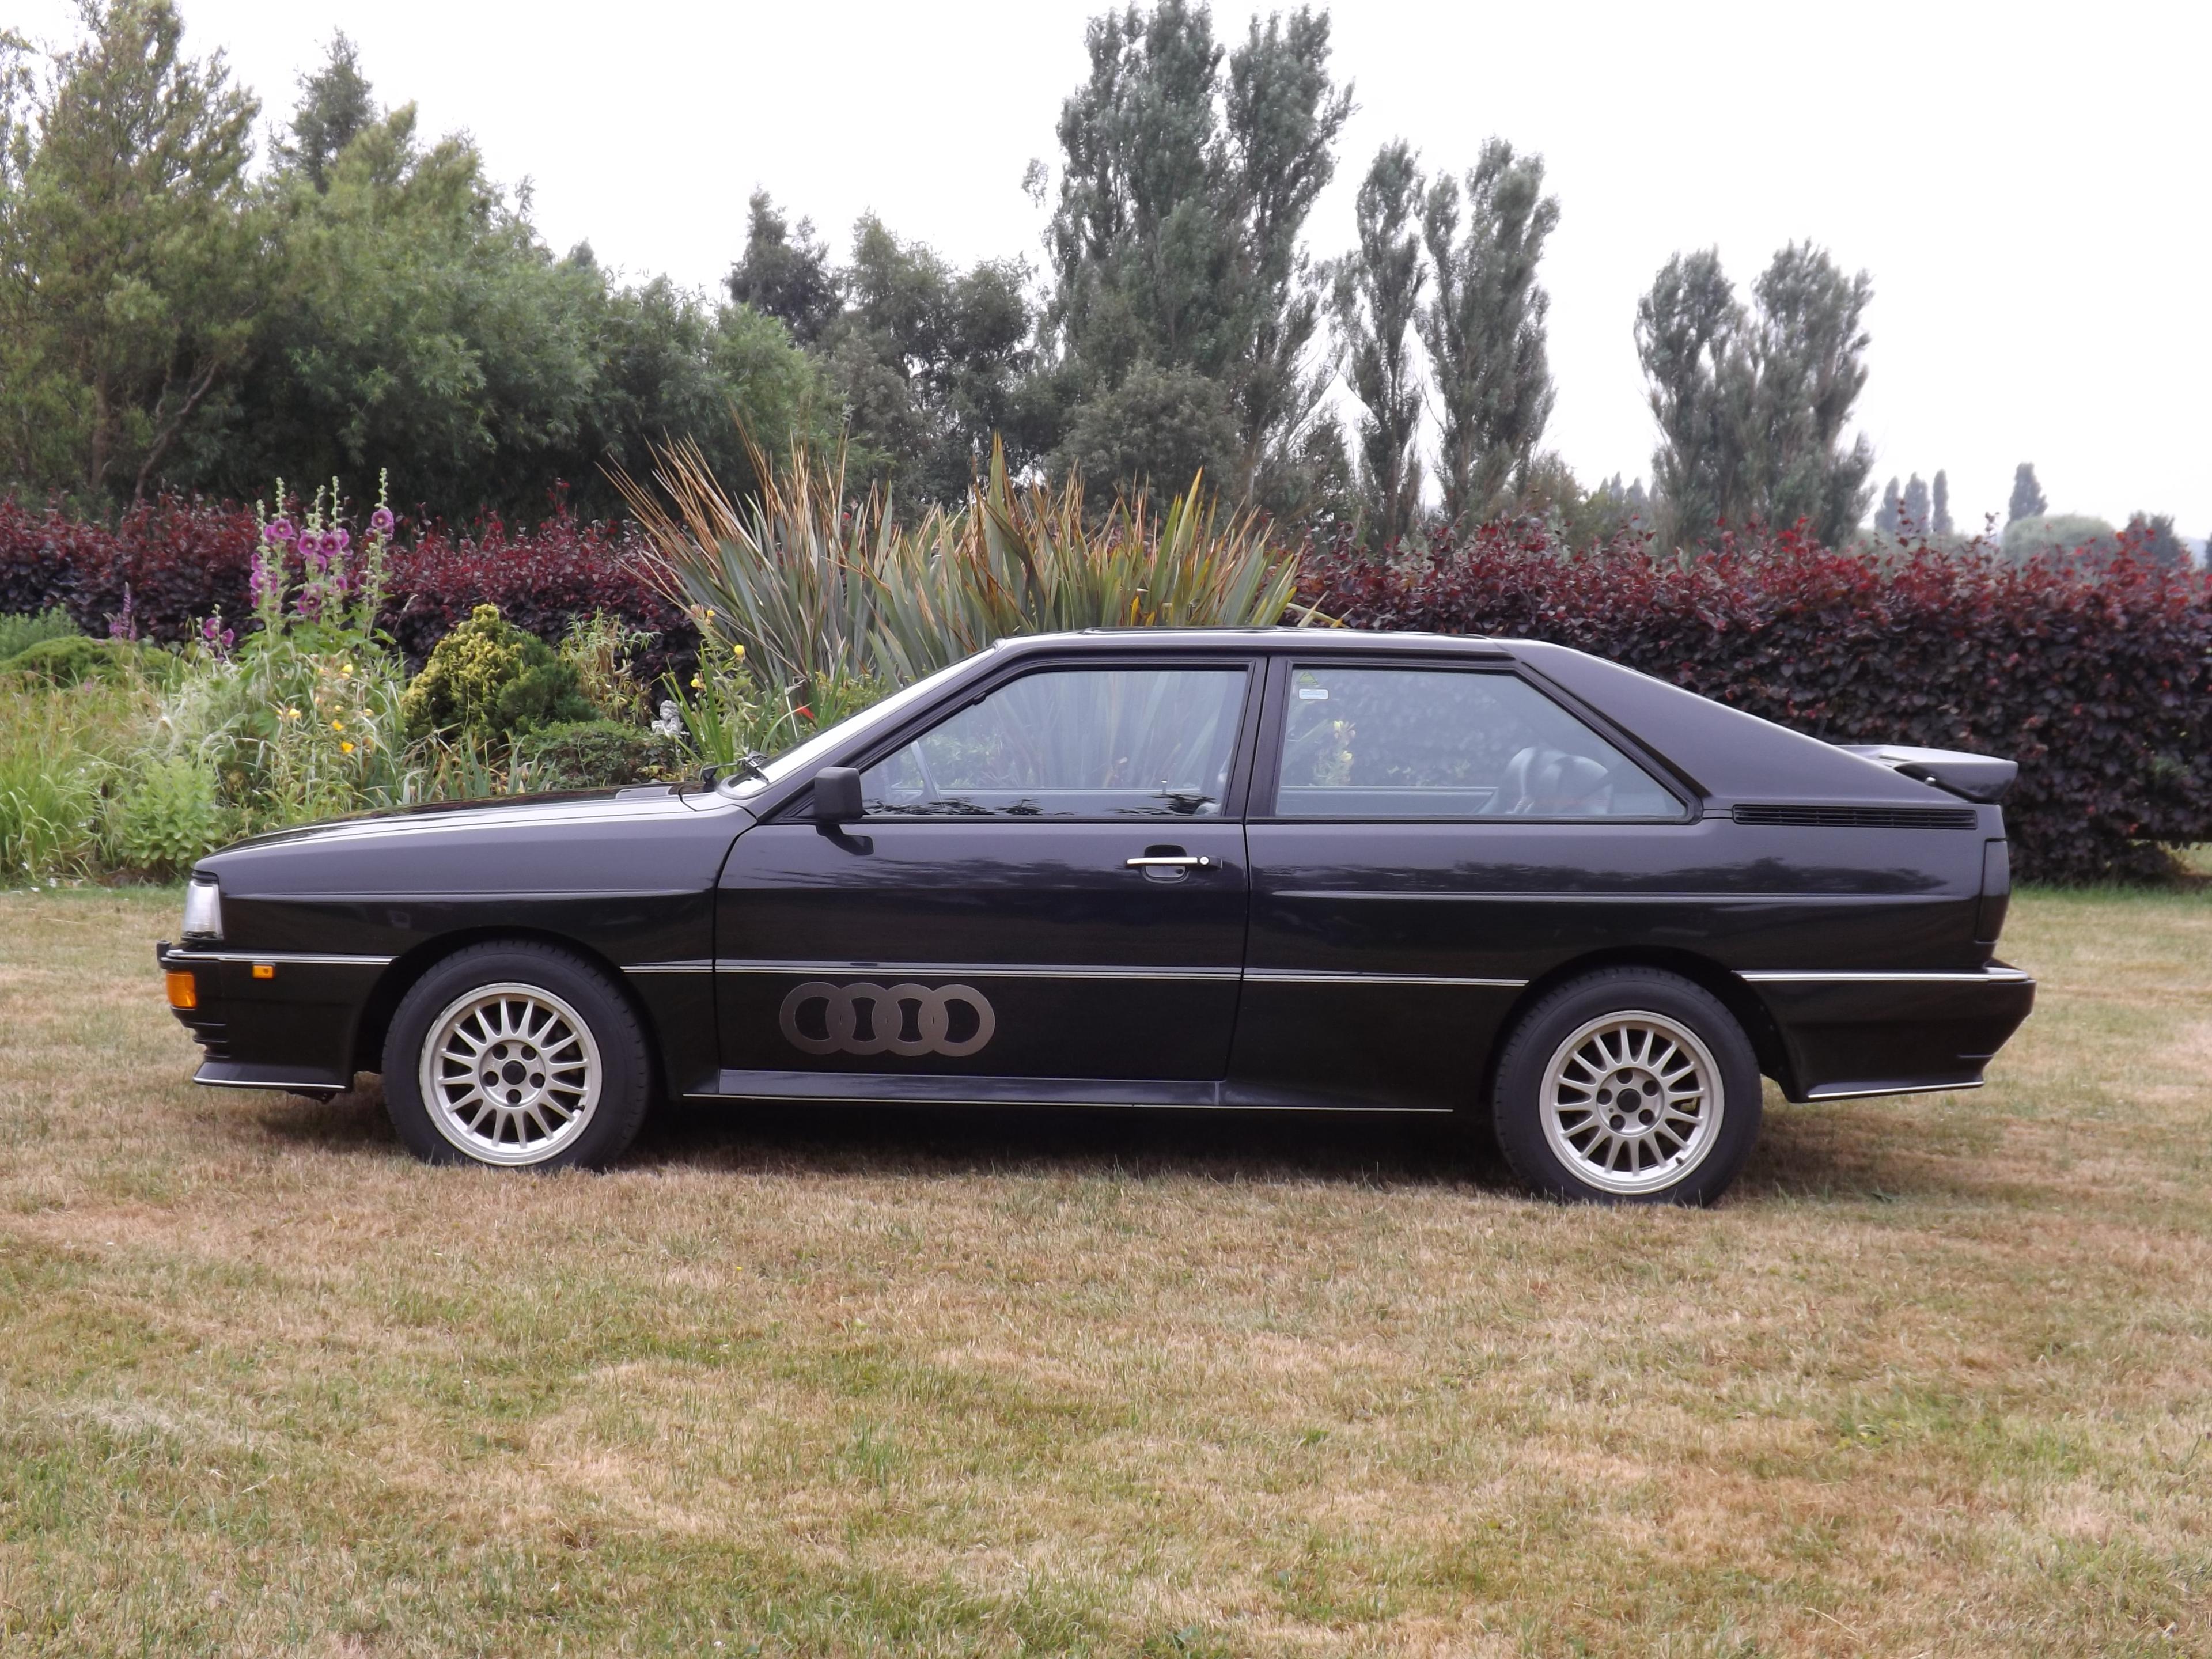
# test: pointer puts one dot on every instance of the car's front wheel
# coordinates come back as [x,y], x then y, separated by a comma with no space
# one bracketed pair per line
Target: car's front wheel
[1628,1085]
[518,1054]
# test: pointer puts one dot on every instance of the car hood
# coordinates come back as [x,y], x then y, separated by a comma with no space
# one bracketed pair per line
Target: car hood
[580,806]
[613,839]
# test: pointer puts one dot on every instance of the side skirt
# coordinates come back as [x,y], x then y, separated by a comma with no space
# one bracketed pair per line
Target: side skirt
[909,1089]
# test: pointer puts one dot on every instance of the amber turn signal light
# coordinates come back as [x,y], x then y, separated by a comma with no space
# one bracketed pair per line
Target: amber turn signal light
[184,991]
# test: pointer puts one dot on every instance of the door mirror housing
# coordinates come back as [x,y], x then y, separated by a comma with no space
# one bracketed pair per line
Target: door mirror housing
[837,796]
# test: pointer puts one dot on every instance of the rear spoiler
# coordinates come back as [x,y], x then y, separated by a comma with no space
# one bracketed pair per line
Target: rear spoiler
[1972,777]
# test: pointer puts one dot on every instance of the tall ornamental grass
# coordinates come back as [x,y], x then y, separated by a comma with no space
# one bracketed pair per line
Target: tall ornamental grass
[54,766]
[816,586]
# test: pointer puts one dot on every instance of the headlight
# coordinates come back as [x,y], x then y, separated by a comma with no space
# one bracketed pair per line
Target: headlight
[203,911]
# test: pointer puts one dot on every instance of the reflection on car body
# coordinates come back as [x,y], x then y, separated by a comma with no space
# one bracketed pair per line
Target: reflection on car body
[1252,868]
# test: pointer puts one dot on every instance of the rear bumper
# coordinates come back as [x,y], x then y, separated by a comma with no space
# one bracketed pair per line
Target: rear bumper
[1853,1034]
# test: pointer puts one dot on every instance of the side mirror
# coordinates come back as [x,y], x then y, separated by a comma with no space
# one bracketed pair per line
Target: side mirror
[837,796]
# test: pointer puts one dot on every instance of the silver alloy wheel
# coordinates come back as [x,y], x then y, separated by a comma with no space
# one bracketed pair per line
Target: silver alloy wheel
[1631,1102]
[511,1073]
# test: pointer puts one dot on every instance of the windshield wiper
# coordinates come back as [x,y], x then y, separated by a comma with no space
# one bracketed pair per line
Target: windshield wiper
[749,764]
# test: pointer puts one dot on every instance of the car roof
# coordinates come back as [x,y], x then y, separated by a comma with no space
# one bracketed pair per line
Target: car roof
[1287,637]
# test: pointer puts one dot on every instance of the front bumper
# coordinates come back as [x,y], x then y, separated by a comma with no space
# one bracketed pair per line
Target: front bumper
[290,1028]
[1852,1034]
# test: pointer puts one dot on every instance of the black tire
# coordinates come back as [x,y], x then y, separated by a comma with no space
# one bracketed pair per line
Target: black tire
[1591,1028]
[581,1126]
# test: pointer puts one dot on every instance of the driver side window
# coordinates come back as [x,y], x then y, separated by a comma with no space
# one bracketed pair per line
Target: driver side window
[1417,742]
[1073,743]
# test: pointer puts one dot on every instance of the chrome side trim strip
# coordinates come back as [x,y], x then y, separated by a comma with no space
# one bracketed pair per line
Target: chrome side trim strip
[1054,970]
[1733,900]
[1303,976]
[1833,1093]
[1961,976]
[931,969]
[294,957]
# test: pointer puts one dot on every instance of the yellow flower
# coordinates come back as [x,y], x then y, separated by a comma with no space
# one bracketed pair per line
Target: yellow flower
[710,610]
[346,748]
[288,714]
[345,668]
[337,726]
[696,685]
[736,651]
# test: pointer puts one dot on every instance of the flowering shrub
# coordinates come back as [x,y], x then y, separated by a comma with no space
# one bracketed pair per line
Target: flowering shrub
[2095,680]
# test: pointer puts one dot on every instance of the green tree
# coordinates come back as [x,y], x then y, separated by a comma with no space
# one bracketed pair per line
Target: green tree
[127,251]
[1484,327]
[785,272]
[1377,301]
[1943,503]
[416,321]
[1174,241]
[669,363]
[1889,517]
[1688,330]
[336,106]
[2027,501]
[931,360]
[1752,406]
[1158,427]
[1808,356]
[2150,536]
[1916,511]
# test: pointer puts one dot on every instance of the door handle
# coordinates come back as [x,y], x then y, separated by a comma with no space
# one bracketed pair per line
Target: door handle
[1177,862]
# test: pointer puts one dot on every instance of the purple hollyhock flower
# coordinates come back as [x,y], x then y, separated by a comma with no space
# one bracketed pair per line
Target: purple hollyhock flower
[382,521]
[337,541]
[280,529]
[311,544]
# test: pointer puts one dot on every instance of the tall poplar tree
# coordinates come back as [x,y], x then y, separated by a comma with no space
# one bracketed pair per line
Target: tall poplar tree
[1485,325]
[1751,404]
[1688,336]
[1176,244]
[1377,301]
[1916,512]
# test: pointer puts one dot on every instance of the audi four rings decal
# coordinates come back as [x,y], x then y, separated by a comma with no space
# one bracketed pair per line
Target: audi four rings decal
[907,1019]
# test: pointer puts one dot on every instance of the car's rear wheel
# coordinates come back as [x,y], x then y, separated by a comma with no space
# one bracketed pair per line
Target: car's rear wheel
[517,1054]
[1628,1085]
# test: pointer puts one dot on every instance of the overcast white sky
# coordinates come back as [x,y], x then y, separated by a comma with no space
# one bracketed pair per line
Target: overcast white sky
[2026,183]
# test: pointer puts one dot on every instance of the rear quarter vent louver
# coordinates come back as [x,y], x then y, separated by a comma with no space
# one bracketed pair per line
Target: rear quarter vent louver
[1859,818]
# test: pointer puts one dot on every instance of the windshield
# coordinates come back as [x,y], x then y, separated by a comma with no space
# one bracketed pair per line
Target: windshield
[802,756]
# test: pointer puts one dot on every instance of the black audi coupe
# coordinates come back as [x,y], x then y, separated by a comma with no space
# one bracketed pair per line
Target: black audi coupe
[1291,868]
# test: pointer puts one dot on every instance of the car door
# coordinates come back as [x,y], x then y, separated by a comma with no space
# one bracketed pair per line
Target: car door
[1050,886]
[1426,838]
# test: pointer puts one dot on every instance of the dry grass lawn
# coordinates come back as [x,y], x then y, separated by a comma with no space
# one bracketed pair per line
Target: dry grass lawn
[1936,1380]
